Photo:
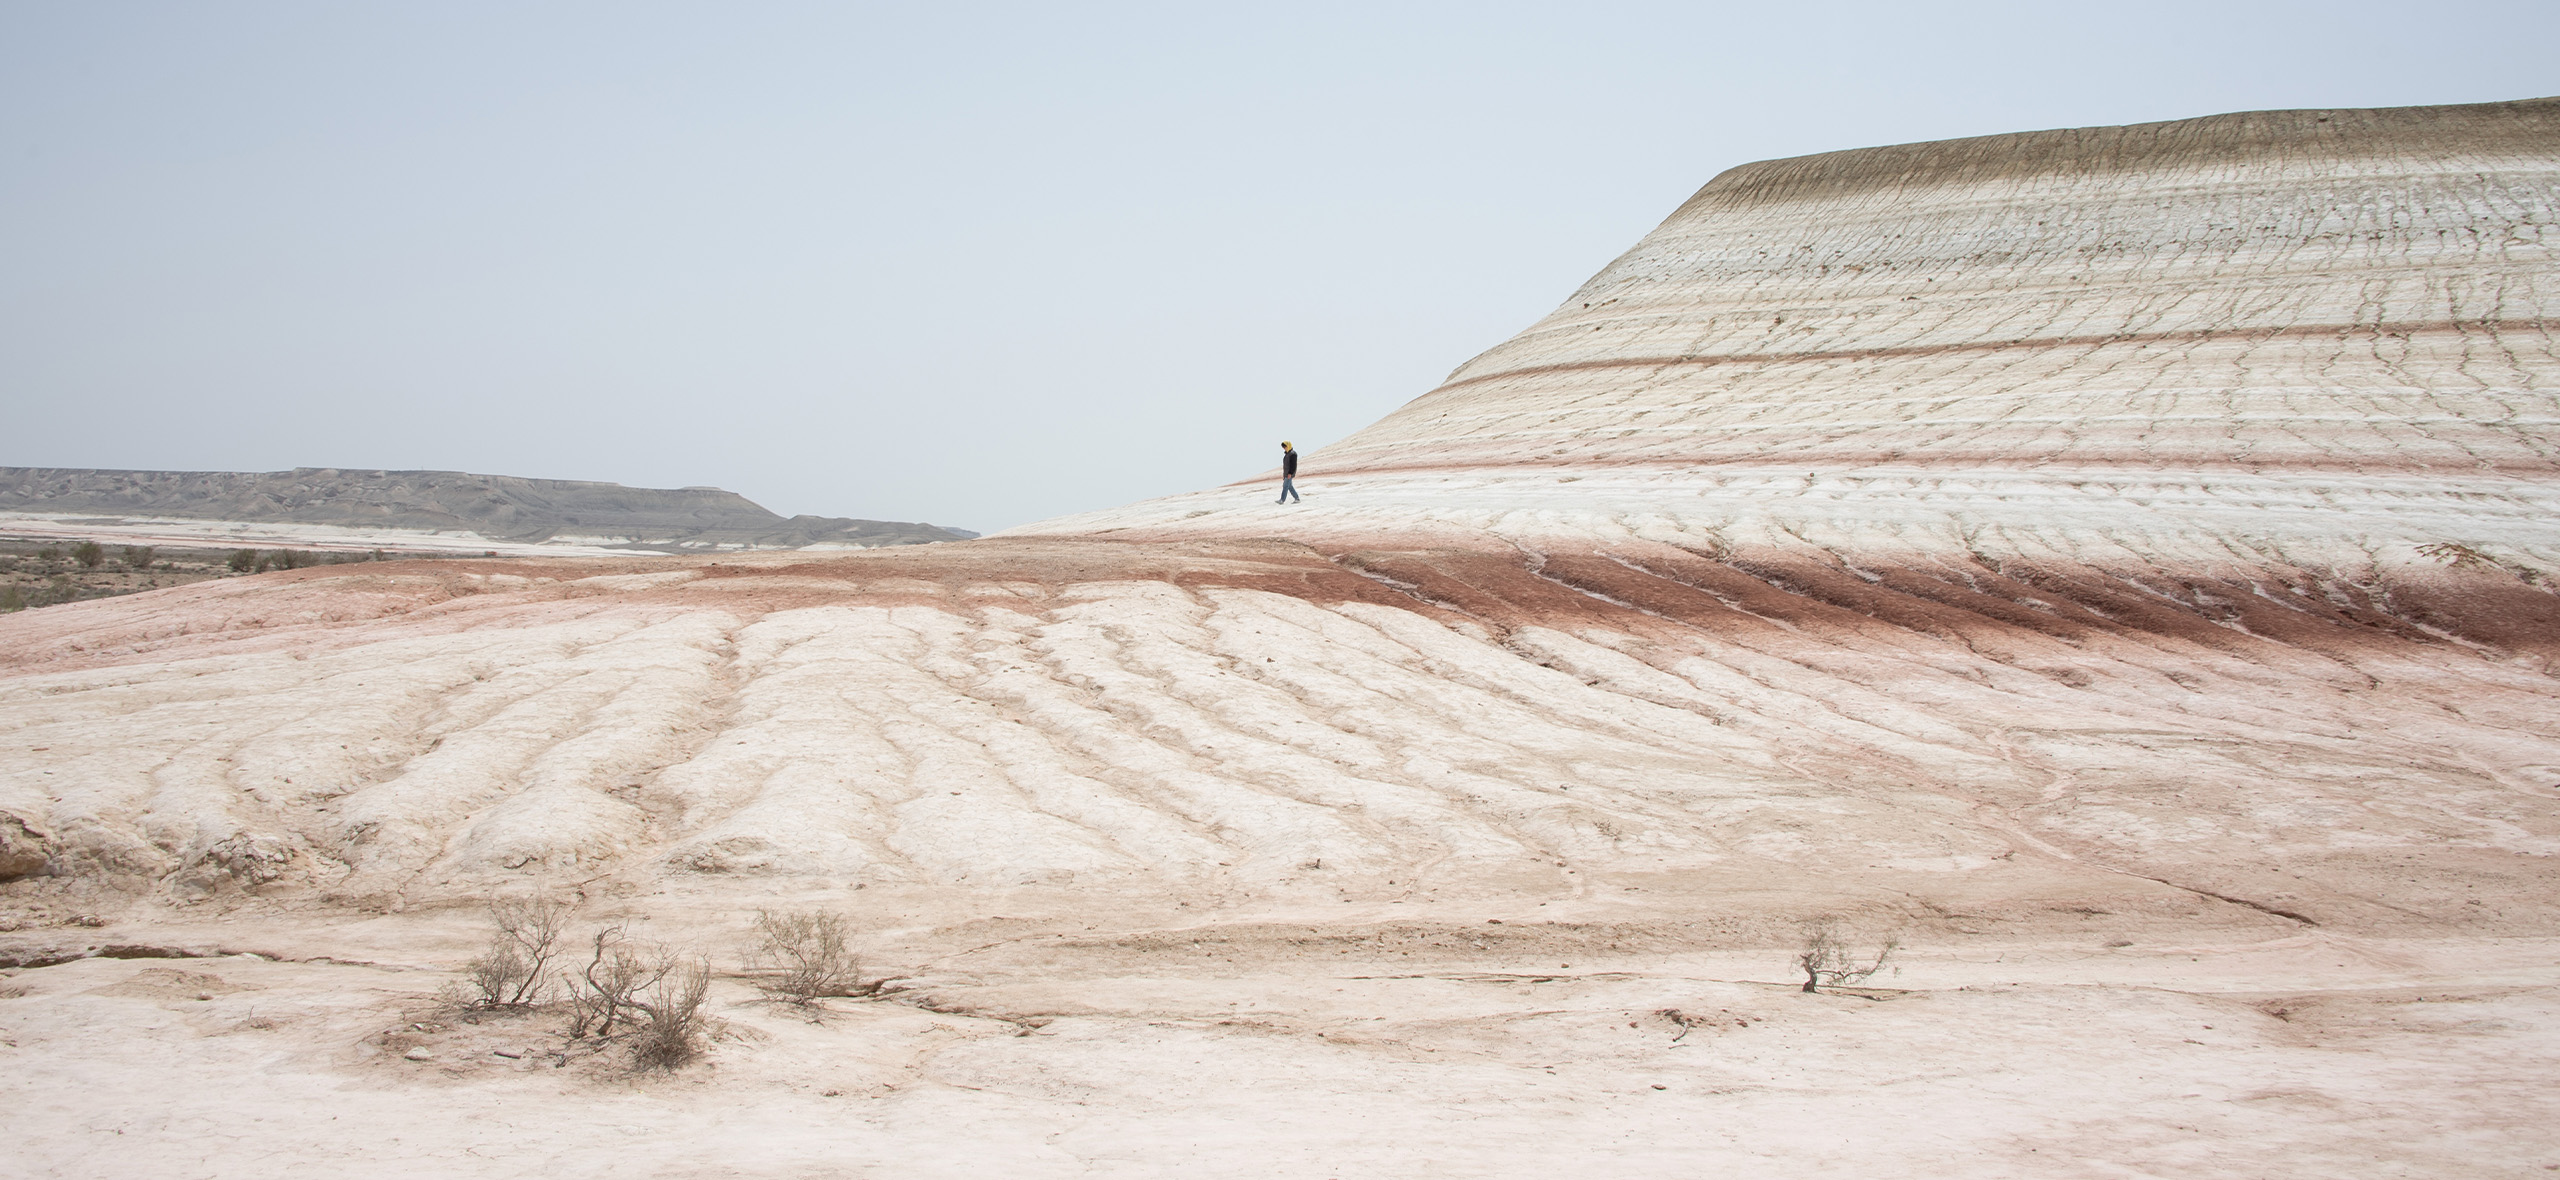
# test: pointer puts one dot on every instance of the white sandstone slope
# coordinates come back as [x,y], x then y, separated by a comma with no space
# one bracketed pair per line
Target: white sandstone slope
[2299,336]
[1248,725]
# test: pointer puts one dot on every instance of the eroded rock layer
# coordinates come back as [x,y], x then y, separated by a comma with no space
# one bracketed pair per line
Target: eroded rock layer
[1255,724]
[2302,337]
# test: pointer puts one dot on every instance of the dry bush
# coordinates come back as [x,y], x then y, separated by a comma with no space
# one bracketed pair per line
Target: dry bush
[805,955]
[646,995]
[606,991]
[514,970]
[1827,961]
[673,1030]
[497,976]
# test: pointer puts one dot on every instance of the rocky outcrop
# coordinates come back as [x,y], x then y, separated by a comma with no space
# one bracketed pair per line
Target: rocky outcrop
[22,848]
[498,507]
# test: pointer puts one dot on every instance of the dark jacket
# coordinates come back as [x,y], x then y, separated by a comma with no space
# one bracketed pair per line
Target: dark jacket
[1288,464]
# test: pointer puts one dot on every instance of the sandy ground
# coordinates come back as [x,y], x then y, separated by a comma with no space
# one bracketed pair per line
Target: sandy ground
[1135,1051]
[1253,860]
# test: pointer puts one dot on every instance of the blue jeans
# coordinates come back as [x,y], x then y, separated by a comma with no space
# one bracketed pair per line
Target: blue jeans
[1289,489]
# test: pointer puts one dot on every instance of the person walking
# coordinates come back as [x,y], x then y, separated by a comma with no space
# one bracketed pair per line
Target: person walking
[1288,473]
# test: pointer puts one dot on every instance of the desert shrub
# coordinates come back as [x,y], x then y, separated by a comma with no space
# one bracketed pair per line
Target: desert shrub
[499,976]
[243,560]
[88,554]
[671,1028]
[805,955]
[1827,961]
[12,599]
[514,970]
[138,557]
[649,997]
[609,992]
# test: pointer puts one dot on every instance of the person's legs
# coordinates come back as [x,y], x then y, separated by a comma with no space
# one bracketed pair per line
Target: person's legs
[1288,489]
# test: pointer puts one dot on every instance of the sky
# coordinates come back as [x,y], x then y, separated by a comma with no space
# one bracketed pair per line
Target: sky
[972,264]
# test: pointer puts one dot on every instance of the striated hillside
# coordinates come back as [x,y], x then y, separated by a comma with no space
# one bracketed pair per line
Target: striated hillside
[2164,504]
[497,507]
[1260,723]
[2134,501]
[2118,563]
[2299,337]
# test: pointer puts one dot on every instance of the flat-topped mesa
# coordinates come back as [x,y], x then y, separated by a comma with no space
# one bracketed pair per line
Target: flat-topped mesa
[2325,333]
[392,507]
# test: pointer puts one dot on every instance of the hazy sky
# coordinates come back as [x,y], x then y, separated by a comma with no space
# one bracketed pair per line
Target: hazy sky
[971,264]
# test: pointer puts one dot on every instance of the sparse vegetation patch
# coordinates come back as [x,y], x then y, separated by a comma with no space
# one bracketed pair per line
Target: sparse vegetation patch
[515,969]
[650,996]
[33,575]
[1827,960]
[804,956]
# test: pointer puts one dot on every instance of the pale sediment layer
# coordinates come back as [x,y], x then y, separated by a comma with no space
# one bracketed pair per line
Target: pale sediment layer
[1251,859]
[2308,326]
[1490,1057]
[1241,725]
[2193,519]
